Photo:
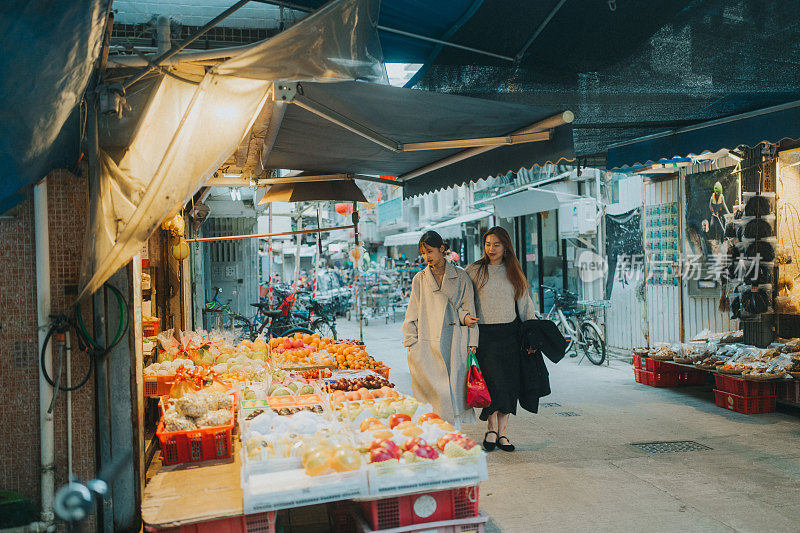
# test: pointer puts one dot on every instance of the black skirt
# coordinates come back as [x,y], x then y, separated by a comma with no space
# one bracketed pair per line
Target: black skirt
[498,356]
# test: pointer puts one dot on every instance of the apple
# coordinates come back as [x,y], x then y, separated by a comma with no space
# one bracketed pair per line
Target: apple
[387,445]
[442,441]
[426,452]
[412,443]
[466,443]
[396,419]
[380,454]
[288,344]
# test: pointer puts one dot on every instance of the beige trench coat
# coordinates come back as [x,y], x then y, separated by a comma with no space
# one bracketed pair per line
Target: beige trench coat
[437,339]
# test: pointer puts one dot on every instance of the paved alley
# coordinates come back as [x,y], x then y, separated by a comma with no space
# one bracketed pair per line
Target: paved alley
[575,468]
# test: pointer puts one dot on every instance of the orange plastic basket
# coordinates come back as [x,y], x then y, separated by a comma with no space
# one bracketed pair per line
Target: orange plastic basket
[150,327]
[195,444]
[156,386]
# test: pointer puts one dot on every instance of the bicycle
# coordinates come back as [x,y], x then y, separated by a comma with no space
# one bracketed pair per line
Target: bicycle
[223,315]
[577,326]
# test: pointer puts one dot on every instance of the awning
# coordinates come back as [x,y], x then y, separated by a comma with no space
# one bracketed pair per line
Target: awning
[364,128]
[771,124]
[451,229]
[403,239]
[529,201]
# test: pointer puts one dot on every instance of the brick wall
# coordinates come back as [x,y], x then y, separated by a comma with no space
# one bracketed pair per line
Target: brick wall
[19,360]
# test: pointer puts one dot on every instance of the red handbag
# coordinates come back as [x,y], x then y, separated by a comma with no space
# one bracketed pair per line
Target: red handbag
[477,391]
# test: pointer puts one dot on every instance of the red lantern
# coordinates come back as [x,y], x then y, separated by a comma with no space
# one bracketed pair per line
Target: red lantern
[344,209]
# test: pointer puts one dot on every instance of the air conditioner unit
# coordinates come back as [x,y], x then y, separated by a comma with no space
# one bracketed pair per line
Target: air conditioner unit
[578,217]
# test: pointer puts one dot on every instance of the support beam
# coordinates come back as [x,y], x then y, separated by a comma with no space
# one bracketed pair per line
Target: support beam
[444,43]
[345,122]
[483,141]
[551,122]
[545,22]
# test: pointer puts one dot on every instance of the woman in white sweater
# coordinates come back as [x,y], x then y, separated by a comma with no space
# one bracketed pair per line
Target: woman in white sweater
[502,298]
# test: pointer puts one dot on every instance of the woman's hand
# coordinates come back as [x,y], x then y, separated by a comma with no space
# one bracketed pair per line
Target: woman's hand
[470,320]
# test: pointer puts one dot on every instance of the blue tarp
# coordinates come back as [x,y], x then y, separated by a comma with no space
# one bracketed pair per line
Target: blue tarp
[49,50]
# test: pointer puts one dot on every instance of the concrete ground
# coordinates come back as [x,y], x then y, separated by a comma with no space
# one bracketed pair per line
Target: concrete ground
[581,473]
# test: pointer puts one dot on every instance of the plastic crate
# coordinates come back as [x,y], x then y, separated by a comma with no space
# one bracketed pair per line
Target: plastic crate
[691,377]
[789,391]
[195,444]
[475,524]
[651,365]
[743,404]
[656,379]
[341,518]
[401,511]
[743,387]
[157,386]
[252,523]
[150,327]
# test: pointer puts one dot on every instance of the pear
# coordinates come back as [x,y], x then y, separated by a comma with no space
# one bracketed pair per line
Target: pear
[293,387]
[306,389]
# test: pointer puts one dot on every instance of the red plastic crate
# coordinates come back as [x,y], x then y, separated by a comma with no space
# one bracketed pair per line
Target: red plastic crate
[789,391]
[195,444]
[651,365]
[691,377]
[743,387]
[402,511]
[150,327]
[157,386]
[341,518]
[473,524]
[745,405]
[656,379]
[252,523]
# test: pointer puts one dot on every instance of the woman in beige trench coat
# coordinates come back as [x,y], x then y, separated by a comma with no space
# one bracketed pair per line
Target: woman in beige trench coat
[437,331]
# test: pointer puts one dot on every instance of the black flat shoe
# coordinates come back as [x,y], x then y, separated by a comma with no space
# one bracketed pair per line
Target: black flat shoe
[505,447]
[489,446]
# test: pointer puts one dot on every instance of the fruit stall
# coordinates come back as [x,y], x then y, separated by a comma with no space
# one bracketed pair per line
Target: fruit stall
[255,433]
[746,379]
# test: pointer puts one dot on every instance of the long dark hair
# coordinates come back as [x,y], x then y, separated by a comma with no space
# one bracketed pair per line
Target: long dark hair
[432,239]
[513,268]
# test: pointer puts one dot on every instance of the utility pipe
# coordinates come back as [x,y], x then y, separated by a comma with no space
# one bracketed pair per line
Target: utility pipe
[163,35]
[44,310]
[68,349]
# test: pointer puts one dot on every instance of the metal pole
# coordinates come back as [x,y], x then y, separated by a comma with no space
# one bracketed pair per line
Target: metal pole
[259,235]
[175,49]
[269,255]
[444,43]
[44,309]
[359,311]
[299,242]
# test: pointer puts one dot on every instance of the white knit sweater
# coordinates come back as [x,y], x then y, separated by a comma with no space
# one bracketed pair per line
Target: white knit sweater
[495,300]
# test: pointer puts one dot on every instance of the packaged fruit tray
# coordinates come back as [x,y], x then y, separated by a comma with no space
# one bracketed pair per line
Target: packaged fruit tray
[293,488]
[443,473]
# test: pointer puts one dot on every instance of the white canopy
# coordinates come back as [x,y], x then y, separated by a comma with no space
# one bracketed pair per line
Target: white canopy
[403,239]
